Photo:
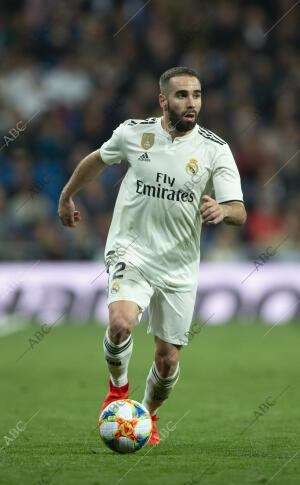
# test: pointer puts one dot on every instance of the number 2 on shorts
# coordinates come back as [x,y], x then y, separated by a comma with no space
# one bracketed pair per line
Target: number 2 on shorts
[117,274]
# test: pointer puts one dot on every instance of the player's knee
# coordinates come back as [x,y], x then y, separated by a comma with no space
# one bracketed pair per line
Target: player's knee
[119,328]
[166,364]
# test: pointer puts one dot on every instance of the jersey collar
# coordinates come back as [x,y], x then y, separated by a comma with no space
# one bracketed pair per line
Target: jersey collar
[165,134]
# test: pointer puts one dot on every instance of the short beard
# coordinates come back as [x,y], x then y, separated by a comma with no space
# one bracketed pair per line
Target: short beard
[176,122]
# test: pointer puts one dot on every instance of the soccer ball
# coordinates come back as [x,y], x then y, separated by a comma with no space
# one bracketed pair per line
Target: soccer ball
[125,426]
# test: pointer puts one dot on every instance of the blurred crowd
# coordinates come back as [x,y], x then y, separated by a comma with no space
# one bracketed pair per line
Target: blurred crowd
[70,72]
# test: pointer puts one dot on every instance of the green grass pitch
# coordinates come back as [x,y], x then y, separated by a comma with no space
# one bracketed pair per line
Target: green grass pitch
[232,419]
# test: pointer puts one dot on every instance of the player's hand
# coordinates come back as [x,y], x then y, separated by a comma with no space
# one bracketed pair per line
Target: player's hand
[211,212]
[67,213]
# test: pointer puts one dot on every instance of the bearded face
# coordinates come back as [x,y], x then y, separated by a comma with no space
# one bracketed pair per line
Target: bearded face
[182,121]
[182,102]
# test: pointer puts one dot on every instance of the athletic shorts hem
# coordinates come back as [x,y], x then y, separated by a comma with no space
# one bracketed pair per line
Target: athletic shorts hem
[166,339]
[126,299]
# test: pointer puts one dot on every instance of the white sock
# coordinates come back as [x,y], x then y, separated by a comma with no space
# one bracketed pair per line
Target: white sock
[158,388]
[117,358]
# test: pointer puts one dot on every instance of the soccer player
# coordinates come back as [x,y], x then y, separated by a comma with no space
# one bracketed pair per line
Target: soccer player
[152,251]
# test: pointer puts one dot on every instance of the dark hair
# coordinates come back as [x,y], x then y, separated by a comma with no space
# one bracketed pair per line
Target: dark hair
[175,71]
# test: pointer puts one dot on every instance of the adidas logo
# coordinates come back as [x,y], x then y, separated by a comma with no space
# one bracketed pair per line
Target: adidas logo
[144,157]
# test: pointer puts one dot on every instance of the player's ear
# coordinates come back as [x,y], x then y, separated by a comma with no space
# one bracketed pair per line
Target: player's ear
[163,102]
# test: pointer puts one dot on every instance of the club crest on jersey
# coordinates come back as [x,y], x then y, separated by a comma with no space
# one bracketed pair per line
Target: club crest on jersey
[192,166]
[147,140]
[115,287]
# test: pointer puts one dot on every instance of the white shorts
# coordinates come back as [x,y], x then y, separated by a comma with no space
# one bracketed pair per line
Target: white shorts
[170,312]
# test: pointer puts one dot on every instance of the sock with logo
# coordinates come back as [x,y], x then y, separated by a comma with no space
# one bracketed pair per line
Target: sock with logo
[158,388]
[117,358]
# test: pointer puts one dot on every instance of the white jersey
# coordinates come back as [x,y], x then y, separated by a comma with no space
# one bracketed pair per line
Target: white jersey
[156,220]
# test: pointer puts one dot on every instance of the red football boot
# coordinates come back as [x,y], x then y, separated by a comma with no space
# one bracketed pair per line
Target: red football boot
[154,440]
[114,394]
